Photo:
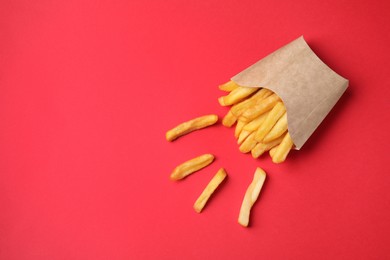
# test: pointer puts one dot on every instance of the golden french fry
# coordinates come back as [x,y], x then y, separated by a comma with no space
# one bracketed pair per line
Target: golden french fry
[248,143]
[239,108]
[261,122]
[272,151]
[209,190]
[229,119]
[255,123]
[260,148]
[279,129]
[239,126]
[264,106]
[283,149]
[250,127]
[228,86]
[251,195]
[236,96]
[273,116]
[191,125]
[221,101]
[243,135]
[191,166]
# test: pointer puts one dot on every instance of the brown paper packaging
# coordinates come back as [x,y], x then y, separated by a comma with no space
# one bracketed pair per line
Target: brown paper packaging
[307,86]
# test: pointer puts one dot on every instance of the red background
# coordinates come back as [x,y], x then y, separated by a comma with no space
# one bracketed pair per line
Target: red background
[88,89]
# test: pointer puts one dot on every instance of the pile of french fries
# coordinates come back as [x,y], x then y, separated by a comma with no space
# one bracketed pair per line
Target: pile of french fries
[261,120]
[191,166]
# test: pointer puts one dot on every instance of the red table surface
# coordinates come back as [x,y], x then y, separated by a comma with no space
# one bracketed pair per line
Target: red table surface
[89,88]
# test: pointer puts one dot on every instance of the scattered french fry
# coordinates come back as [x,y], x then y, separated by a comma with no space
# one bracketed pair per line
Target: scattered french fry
[283,149]
[248,143]
[229,119]
[279,129]
[270,121]
[191,166]
[228,86]
[261,126]
[260,148]
[209,190]
[236,96]
[251,195]
[191,125]
[266,105]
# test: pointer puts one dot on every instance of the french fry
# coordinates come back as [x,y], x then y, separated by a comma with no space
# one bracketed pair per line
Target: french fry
[191,125]
[264,106]
[236,96]
[251,195]
[273,116]
[272,151]
[260,148]
[239,108]
[283,149]
[229,119]
[191,166]
[251,127]
[209,190]
[255,123]
[243,135]
[239,126]
[228,86]
[248,143]
[279,129]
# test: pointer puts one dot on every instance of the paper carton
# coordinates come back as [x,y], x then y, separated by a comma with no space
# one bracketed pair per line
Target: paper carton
[307,86]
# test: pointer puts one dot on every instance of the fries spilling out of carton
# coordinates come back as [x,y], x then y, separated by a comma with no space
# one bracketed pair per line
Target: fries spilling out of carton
[275,105]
